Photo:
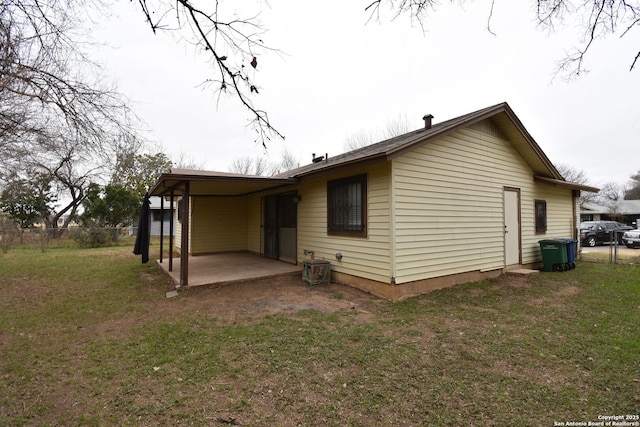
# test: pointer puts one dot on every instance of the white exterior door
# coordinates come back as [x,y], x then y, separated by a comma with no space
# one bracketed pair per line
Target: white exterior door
[511,226]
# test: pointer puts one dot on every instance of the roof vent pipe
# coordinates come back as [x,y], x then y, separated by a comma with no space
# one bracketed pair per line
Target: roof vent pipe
[427,121]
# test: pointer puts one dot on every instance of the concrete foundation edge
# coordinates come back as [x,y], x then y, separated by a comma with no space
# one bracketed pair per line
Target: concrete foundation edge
[409,289]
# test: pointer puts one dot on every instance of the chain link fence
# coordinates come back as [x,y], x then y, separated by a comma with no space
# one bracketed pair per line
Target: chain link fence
[88,237]
[612,251]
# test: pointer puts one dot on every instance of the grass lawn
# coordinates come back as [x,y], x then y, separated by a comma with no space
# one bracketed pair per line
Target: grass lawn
[87,337]
[605,254]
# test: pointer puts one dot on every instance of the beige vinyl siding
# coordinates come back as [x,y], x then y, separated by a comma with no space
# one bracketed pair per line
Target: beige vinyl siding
[448,208]
[178,228]
[363,257]
[177,239]
[218,224]
[560,215]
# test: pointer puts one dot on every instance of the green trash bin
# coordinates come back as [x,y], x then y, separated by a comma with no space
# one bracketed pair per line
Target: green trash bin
[554,254]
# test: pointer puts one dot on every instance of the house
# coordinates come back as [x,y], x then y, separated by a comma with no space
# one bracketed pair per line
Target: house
[160,215]
[625,211]
[452,202]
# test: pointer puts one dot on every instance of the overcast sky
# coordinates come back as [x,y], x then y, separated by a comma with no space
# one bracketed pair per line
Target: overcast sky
[340,74]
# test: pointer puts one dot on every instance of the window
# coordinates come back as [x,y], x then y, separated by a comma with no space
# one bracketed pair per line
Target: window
[346,206]
[157,216]
[541,216]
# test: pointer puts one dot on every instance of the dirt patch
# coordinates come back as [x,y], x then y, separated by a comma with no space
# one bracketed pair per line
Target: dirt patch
[566,291]
[557,297]
[286,294]
[515,280]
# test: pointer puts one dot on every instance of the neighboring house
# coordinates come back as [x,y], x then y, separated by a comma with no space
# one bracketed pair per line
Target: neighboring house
[625,211]
[452,202]
[159,214]
[159,218]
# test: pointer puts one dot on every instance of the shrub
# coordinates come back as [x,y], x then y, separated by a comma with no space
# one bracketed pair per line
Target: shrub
[93,236]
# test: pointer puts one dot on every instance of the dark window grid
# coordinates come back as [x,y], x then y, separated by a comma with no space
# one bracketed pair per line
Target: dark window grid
[541,216]
[347,213]
[348,207]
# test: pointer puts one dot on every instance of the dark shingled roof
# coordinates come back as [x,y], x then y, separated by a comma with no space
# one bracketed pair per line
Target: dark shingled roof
[388,147]
[220,183]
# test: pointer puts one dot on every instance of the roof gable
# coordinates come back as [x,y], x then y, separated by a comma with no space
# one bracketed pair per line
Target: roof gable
[501,116]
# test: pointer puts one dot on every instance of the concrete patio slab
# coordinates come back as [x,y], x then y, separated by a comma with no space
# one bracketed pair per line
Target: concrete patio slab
[228,267]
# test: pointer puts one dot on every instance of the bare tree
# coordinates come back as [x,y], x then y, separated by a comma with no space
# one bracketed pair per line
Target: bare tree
[633,190]
[578,176]
[184,161]
[70,167]
[597,19]
[241,165]
[397,126]
[287,162]
[571,174]
[610,195]
[57,119]
[43,73]
[393,127]
[249,166]
[260,167]
[59,173]
[47,84]
[359,139]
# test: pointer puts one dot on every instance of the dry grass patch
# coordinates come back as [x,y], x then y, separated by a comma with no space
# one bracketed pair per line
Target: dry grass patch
[87,337]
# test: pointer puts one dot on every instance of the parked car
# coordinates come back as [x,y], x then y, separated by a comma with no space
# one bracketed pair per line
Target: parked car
[594,233]
[631,238]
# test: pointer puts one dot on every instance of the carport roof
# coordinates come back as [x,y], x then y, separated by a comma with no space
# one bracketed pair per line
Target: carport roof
[208,183]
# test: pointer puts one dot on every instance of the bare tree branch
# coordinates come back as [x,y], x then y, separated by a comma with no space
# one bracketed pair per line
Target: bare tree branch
[493,3]
[44,79]
[598,20]
[417,9]
[633,64]
[233,45]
